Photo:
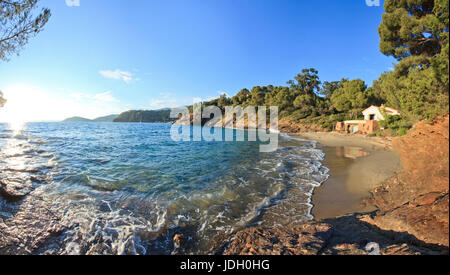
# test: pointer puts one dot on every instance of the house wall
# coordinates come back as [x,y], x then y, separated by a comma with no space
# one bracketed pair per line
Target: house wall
[364,127]
[340,127]
[371,126]
[375,111]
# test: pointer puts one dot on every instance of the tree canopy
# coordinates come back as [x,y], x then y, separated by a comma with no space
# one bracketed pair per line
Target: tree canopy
[414,27]
[305,98]
[145,116]
[416,33]
[351,97]
[19,21]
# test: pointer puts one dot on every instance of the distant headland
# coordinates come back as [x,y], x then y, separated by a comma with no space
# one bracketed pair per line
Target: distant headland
[109,118]
[153,116]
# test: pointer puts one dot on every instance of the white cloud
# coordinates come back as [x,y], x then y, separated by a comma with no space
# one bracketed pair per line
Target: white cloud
[127,77]
[161,103]
[223,93]
[73,3]
[169,100]
[206,99]
[104,97]
[197,100]
[169,103]
[77,96]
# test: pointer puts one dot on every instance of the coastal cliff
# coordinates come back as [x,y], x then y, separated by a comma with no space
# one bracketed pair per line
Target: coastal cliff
[285,125]
[288,125]
[152,116]
[412,213]
[416,200]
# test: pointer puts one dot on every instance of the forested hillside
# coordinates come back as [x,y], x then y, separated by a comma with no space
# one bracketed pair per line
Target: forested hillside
[415,33]
[145,116]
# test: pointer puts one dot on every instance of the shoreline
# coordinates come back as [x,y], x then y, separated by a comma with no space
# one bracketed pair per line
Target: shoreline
[358,164]
[411,216]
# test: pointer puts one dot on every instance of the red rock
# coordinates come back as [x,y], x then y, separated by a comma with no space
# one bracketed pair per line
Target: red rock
[413,215]
[416,200]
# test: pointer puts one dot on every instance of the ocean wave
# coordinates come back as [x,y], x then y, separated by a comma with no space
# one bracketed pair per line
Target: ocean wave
[136,202]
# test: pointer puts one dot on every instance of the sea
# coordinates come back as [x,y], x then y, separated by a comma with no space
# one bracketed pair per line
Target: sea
[128,188]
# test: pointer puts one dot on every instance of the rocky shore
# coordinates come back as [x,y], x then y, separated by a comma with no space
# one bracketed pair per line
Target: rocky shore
[411,216]
[411,213]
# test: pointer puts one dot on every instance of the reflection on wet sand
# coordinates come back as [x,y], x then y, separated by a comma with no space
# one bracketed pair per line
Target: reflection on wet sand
[354,171]
[350,152]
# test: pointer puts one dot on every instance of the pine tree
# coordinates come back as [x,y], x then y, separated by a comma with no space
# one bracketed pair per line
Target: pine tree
[415,32]
[18,23]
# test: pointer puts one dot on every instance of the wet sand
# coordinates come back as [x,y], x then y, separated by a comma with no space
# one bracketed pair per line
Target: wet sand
[357,164]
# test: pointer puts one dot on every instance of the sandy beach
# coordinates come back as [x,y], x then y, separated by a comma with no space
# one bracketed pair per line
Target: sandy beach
[357,165]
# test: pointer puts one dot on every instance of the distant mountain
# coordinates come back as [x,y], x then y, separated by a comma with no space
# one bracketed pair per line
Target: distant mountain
[162,115]
[109,118]
[77,119]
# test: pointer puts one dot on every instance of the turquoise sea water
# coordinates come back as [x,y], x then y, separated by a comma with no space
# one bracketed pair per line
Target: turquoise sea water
[128,188]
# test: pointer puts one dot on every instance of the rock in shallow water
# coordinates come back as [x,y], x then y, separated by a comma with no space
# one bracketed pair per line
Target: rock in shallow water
[15,191]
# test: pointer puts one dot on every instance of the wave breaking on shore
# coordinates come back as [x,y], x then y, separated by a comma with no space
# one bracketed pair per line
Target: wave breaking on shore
[89,209]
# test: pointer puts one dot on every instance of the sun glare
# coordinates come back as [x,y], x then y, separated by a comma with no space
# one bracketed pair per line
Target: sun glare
[26,103]
[20,101]
[16,126]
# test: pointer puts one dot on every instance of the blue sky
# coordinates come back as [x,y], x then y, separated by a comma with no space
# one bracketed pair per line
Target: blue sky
[108,56]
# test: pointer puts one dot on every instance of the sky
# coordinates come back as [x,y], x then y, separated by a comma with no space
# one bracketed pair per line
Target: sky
[107,56]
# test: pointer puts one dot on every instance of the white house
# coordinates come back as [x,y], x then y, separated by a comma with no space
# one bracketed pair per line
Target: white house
[370,123]
[374,113]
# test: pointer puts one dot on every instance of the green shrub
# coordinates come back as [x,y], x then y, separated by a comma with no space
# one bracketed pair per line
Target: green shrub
[399,125]
[401,131]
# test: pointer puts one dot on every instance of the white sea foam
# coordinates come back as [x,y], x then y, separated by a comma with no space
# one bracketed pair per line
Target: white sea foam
[110,213]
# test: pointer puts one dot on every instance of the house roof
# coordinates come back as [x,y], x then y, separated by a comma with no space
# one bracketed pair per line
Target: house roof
[378,108]
[388,109]
[392,110]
